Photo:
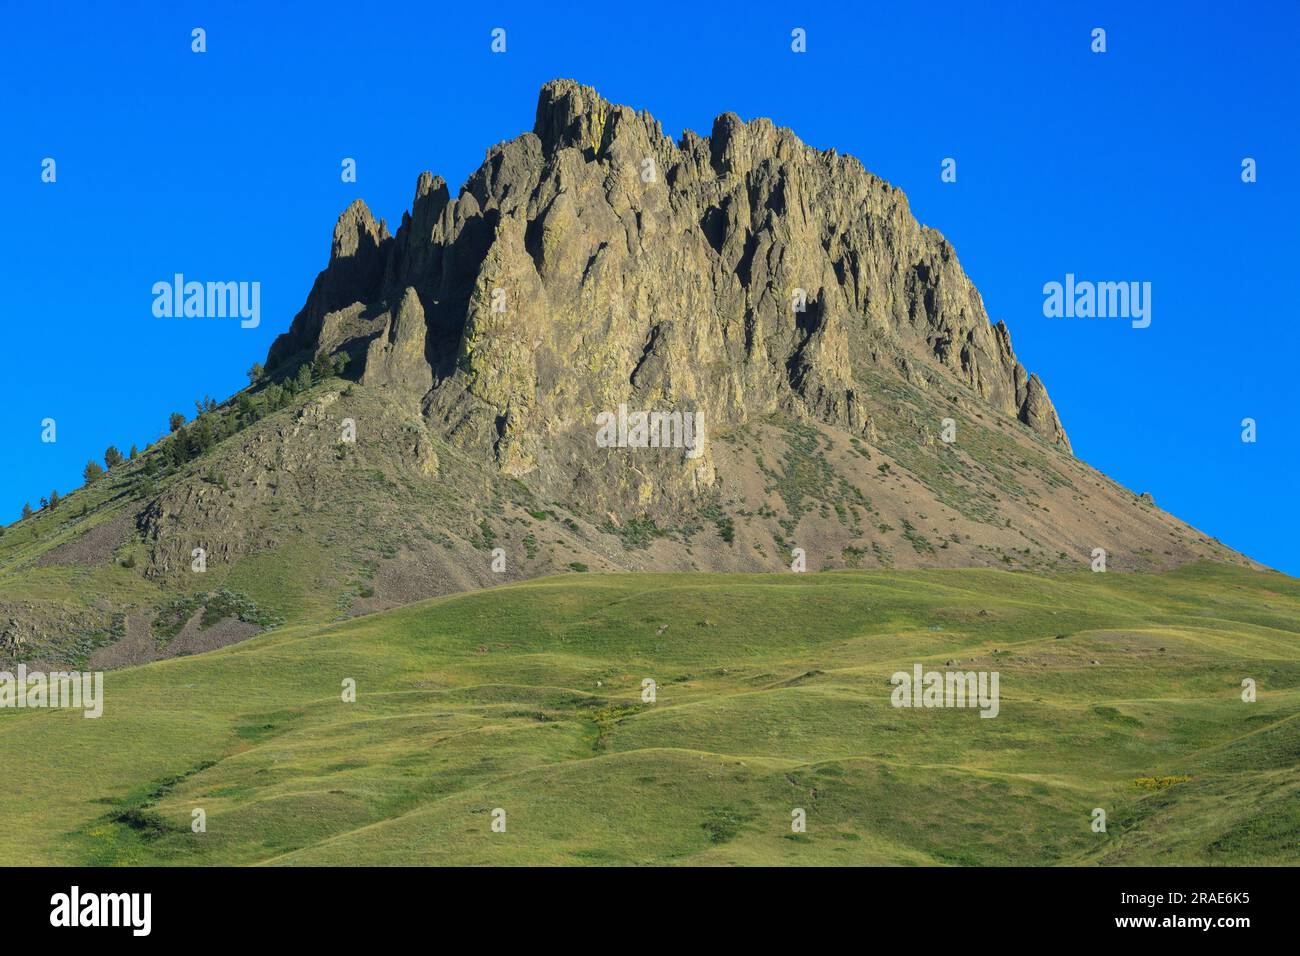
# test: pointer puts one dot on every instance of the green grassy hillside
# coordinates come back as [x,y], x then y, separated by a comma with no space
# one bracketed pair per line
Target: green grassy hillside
[1118,691]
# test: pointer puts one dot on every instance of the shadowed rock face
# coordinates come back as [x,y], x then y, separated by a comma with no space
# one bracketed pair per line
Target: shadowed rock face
[592,262]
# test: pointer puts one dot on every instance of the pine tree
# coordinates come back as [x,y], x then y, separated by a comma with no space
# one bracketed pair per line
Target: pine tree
[91,473]
[176,421]
[112,457]
[201,436]
[27,510]
[322,368]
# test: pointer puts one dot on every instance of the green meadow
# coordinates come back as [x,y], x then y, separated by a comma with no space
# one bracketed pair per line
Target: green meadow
[1119,692]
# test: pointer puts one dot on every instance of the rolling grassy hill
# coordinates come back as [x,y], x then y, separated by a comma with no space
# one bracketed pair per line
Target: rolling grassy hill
[1118,691]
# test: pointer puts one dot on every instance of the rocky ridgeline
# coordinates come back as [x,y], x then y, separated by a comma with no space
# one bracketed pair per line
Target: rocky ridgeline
[592,262]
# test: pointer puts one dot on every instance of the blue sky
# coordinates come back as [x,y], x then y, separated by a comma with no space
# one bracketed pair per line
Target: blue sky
[1117,166]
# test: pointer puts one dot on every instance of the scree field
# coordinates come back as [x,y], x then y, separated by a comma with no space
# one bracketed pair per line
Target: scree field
[1120,692]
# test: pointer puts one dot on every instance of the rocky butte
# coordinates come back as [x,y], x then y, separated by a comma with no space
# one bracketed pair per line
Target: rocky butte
[852,398]
[627,268]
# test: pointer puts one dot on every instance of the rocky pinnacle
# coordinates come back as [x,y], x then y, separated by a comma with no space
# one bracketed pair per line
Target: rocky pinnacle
[593,262]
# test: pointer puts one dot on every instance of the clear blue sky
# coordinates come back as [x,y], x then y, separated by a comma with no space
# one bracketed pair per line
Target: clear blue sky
[1119,166]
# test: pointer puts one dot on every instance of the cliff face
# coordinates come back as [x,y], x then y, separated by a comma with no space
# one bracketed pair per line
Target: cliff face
[592,262]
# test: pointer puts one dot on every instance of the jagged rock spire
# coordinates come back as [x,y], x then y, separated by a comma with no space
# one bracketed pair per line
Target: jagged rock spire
[592,261]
